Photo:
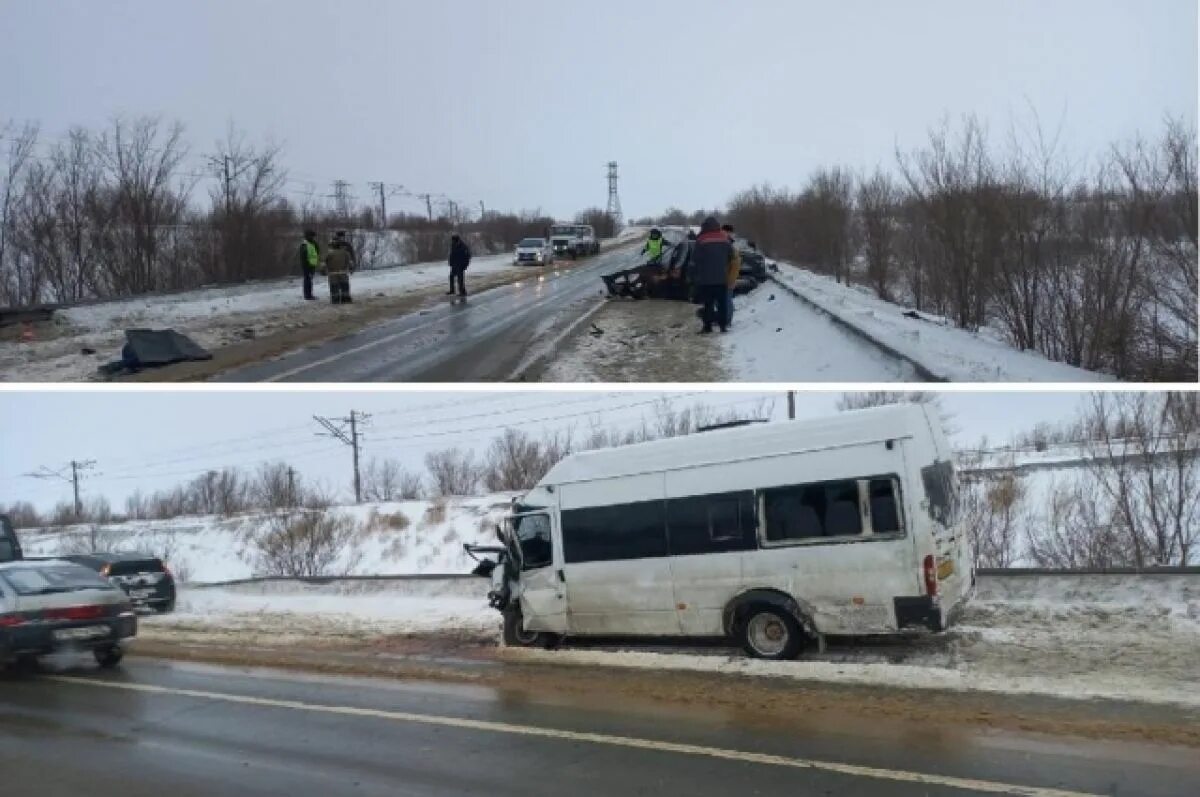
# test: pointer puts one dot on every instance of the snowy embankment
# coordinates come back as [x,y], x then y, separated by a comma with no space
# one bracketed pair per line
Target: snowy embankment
[947,352]
[405,537]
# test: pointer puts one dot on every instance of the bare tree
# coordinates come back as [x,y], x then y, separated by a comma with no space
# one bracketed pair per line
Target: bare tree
[276,486]
[878,199]
[15,279]
[453,471]
[306,543]
[387,480]
[1145,458]
[1075,531]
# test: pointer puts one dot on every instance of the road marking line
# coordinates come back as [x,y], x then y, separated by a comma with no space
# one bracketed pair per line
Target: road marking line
[855,770]
[391,337]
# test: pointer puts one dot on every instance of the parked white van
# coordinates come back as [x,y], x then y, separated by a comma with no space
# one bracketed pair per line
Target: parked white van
[772,534]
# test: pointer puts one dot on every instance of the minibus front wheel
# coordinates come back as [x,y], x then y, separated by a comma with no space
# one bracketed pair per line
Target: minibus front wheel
[769,632]
[515,634]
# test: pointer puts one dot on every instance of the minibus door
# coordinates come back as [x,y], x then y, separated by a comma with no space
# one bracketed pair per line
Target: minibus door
[542,591]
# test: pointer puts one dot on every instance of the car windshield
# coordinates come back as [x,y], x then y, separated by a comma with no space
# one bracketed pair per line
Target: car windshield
[562,231]
[532,243]
[49,579]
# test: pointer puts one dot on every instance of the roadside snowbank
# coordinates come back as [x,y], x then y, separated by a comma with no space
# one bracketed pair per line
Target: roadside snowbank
[315,613]
[390,538]
[952,353]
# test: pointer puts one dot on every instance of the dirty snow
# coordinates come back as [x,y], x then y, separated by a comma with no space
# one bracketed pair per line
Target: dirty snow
[324,613]
[213,317]
[1087,637]
[953,353]
[776,338]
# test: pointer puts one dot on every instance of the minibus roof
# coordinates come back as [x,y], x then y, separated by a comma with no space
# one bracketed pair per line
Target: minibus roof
[878,424]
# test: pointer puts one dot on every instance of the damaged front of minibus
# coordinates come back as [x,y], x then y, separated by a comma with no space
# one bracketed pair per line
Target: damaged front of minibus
[527,585]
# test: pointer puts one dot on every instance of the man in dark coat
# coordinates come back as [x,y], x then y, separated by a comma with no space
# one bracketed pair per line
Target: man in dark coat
[460,258]
[712,257]
[310,261]
[340,262]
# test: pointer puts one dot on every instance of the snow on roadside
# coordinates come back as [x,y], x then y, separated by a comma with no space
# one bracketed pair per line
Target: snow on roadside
[956,354]
[213,317]
[317,614]
[776,338]
[402,537]
[1122,648]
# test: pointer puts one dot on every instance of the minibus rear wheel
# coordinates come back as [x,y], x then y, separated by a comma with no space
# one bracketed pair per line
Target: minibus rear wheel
[771,633]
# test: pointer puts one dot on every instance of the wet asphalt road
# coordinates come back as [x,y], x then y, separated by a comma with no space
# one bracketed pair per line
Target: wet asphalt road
[488,337]
[154,728]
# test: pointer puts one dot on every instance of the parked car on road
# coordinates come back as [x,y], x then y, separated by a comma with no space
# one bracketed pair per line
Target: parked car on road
[534,251]
[145,579]
[51,604]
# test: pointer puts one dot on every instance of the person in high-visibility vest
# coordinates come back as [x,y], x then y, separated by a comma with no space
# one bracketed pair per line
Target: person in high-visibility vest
[310,261]
[655,244]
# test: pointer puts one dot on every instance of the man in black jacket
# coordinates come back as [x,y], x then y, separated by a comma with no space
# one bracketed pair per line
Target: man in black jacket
[712,259]
[460,258]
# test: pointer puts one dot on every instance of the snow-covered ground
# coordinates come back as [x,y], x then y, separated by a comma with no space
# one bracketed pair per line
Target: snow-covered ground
[1112,637]
[949,352]
[390,538]
[774,338]
[213,317]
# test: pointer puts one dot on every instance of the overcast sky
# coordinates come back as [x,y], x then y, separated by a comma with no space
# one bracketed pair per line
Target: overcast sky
[521,103]
[155,439]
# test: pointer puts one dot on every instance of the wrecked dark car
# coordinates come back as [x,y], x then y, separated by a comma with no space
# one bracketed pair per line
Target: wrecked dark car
[668,277]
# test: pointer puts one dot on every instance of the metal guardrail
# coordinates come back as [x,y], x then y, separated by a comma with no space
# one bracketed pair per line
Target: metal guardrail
[1115,571]
[1011,572]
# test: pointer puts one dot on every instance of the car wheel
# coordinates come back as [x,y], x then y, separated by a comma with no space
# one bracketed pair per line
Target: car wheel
[109,656]
[771,633]
[516,636]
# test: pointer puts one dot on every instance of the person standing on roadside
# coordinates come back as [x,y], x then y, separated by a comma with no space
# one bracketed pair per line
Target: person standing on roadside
[339,264]
[459,259]
[735,271]
[310,261]
[711,260]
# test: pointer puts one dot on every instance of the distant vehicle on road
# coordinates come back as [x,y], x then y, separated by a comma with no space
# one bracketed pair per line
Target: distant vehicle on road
[145,579]
[535,251]
[574,240]
[10,546]
[49,605]
[775,535]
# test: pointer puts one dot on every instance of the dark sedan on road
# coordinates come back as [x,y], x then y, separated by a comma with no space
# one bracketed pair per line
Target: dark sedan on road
[52,604]
[146,579]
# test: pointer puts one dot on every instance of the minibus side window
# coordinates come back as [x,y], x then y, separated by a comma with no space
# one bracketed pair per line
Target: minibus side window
[813,511]
[717,523]
[615,532]
[533,535]
[885,514]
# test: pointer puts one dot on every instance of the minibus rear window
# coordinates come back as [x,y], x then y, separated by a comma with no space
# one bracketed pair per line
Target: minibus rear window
[938,479]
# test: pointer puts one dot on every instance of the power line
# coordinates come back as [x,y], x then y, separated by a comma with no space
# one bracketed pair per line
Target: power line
[337,429]
[76,467]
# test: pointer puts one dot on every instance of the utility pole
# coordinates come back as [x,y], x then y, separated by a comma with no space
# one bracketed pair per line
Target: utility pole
[614,199]
[77,467]
[791,405]
[428,204]
[291,486]
[382,204]
[336,428]
[482,211]
[341,198]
